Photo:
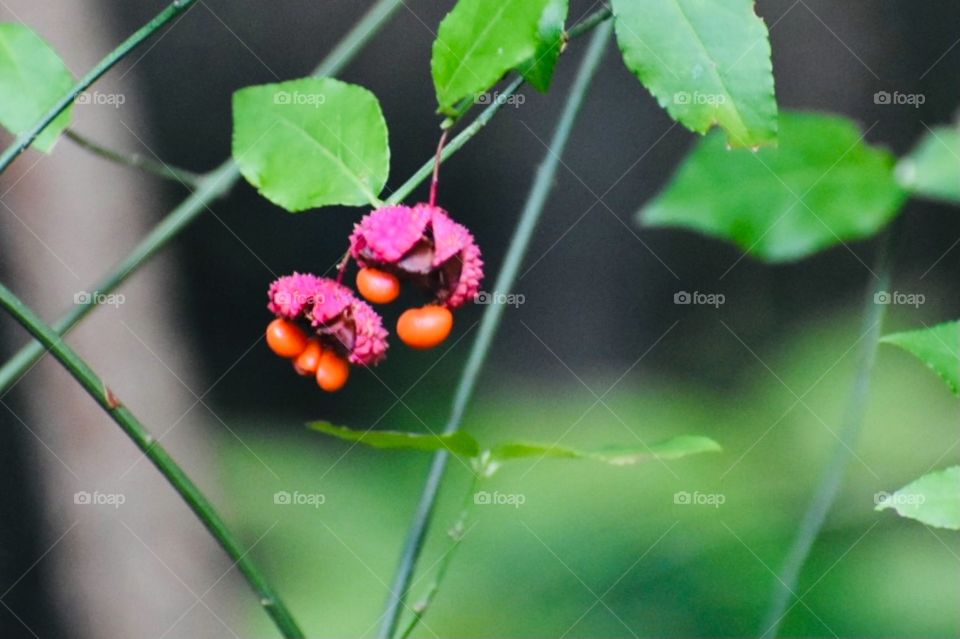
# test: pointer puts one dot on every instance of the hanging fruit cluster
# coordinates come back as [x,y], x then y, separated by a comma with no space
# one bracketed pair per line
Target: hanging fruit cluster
[323,327]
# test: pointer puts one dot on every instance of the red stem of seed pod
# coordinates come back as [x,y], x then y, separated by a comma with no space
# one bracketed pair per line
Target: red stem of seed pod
[436,168]
[342,266]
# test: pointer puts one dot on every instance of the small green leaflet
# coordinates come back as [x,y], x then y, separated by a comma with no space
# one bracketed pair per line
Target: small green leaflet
[480,40]
[932,169]
[539,69]
[33,79]
[933,499]
[823,185]
[707,62]
[937,347]
[311,142]
[616,456]
[459,443]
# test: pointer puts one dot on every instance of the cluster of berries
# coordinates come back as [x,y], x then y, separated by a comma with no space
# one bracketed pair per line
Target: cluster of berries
[324,327]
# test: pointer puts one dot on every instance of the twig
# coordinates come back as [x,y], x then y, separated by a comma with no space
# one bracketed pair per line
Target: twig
[832,477]
[26,138]
[456,533]
[488,326]
[135,160]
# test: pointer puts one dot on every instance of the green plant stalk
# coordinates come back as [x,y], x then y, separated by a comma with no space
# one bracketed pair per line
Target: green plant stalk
[210,187]
[489,323]
[456,533]
[454,145]
[26,138]
[134,160]
[832,477]
[589,23]
[152,449]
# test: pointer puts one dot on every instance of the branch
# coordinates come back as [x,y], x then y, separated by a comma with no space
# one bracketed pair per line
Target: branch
[832,477]
[456,532]
[135,160]
[152,449]
[489,324]
[26,138]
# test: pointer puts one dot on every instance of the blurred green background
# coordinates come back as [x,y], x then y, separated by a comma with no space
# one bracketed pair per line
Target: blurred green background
[589,532]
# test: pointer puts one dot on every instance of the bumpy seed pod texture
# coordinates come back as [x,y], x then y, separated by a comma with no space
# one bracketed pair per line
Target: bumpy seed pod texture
[342,322]
[423,244]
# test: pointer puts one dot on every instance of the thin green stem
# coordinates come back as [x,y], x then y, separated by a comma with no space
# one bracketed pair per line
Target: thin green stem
[832,477]
[489,324]
[456,533]
[589,23]
[404,190]
[26,138]
[454,145]
[210,188]
[134,160]
[152,449]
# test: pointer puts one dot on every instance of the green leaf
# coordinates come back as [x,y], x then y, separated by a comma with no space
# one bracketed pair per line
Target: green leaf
[932,169]
[617,456]
[706,62]
[933,499]
[539,69]
[458,443]
[822,186]
[33,79]
[478,42]
[311,142]
[937,347]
